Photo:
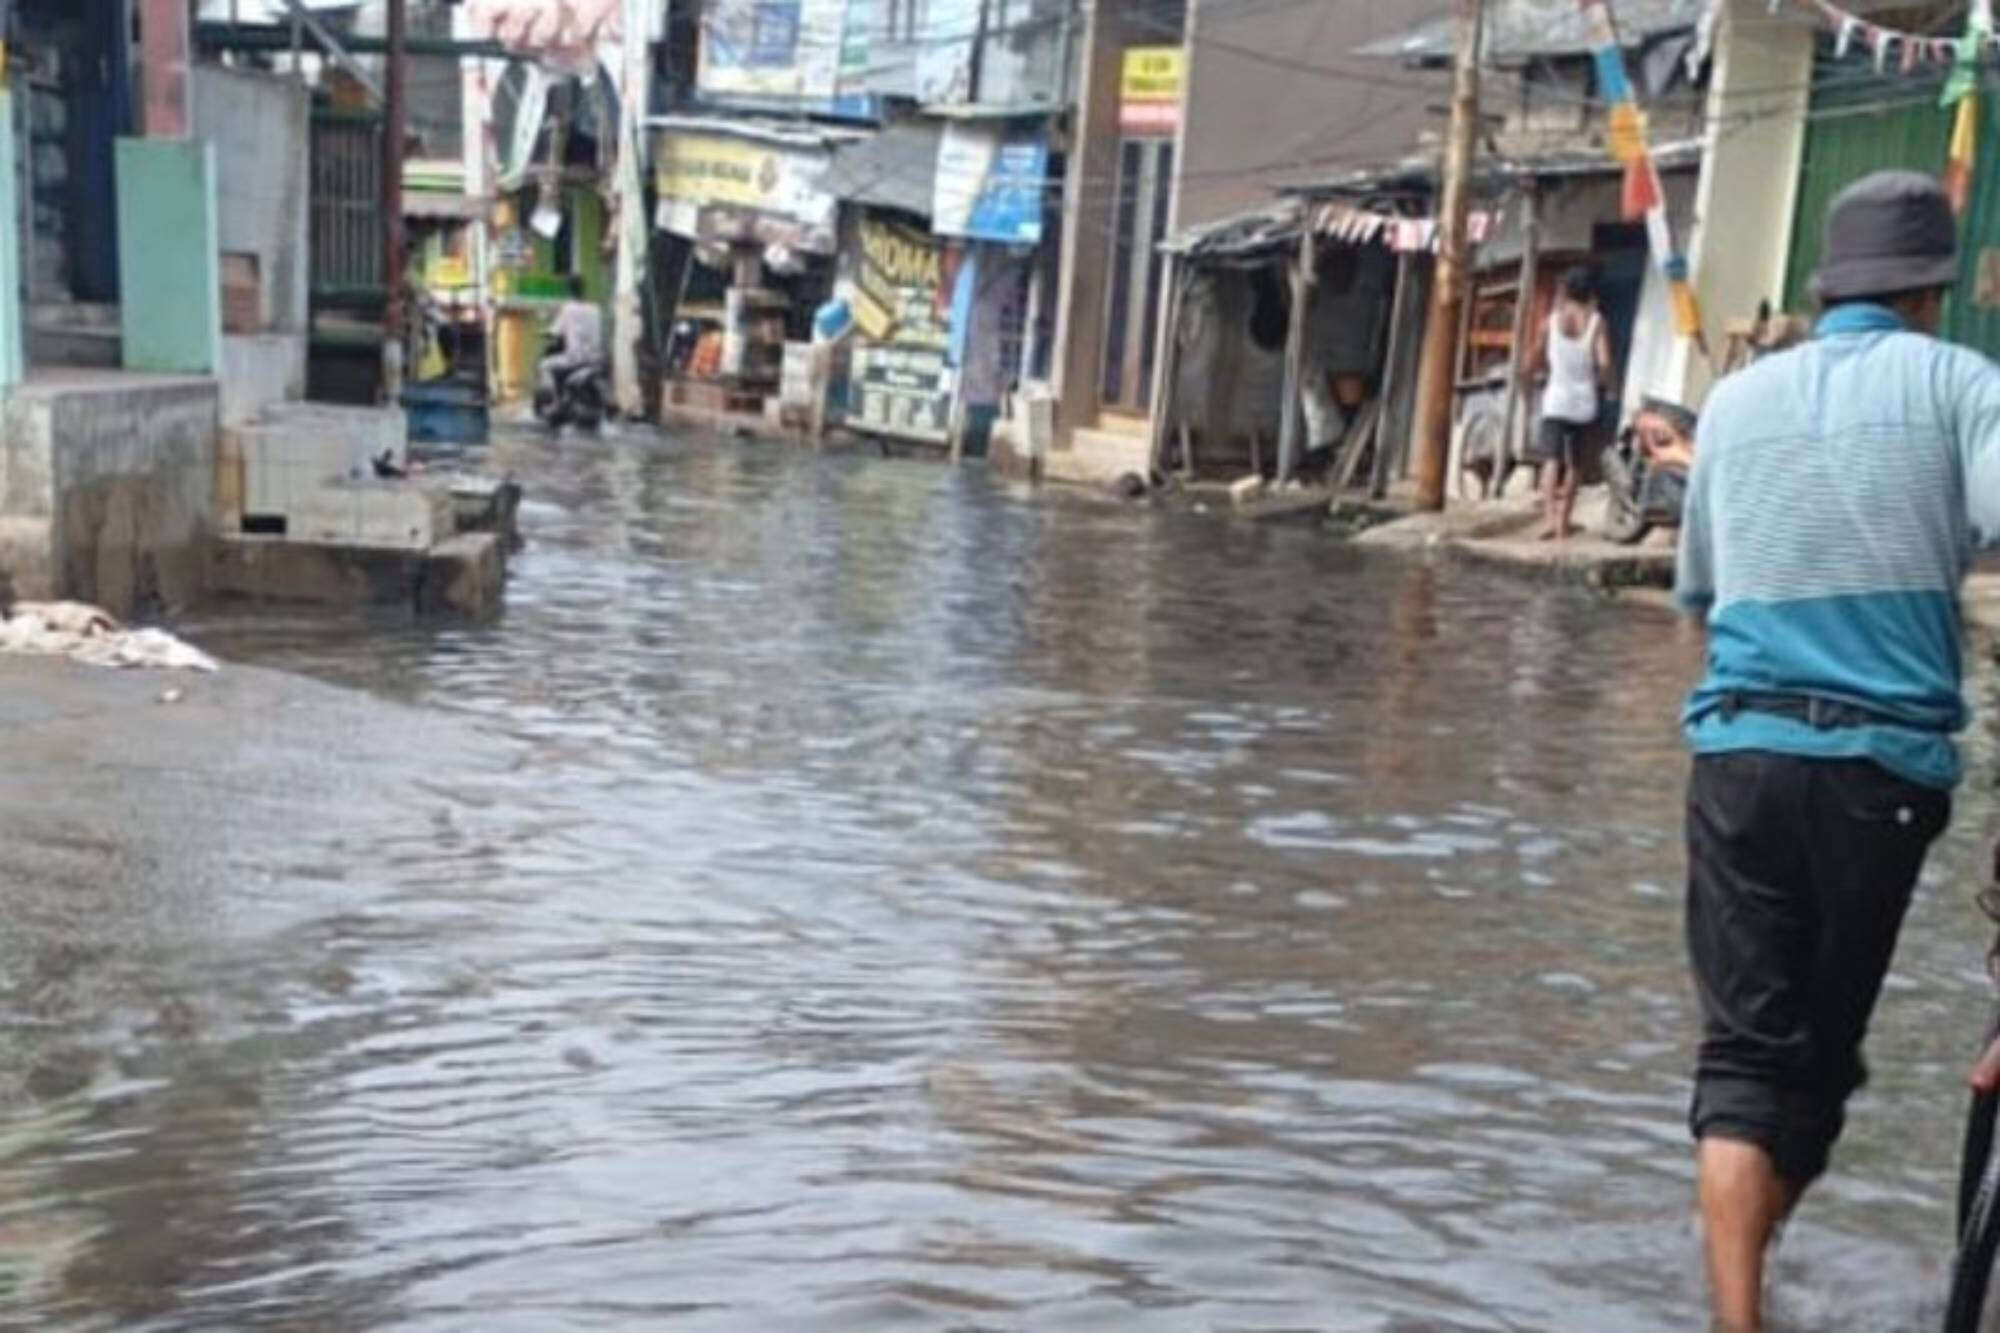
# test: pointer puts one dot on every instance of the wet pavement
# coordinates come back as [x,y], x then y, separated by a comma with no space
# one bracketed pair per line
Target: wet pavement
[852,894]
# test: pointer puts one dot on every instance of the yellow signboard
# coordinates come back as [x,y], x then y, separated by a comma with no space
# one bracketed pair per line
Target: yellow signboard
[717,169]
[1152,74]
[1149,89]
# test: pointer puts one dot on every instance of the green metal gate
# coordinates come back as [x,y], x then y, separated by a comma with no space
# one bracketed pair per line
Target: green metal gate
[1860,124]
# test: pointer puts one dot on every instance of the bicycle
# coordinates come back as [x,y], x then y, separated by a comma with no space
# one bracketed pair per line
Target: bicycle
[1979,1170]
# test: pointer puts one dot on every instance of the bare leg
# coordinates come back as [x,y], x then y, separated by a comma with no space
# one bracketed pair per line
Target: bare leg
[1551,480]
[1743,1199]
[1565,497]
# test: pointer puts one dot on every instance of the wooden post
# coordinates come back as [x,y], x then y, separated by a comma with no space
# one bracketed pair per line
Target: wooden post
[1386,444]
[1524,313]
[1437,375]
[1291,423]
[1166,361]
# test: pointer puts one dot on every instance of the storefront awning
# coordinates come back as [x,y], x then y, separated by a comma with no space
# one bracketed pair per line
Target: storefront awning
[896,168]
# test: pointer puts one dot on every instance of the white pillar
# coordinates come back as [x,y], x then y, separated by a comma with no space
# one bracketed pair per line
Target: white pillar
[1758,91]
[627,323]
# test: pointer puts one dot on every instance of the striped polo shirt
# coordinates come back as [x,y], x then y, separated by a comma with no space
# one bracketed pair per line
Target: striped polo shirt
[1839,490]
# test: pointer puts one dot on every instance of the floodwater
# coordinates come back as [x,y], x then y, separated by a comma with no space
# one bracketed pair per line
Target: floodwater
[879,898]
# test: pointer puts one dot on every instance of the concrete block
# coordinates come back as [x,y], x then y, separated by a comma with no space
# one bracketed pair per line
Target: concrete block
[1099,456]
[260,370]
[295,448]
[1245,489]
[466,575]
[398,515]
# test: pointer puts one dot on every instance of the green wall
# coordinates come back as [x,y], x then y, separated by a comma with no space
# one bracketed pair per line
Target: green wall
[13,349]
[169,267]
[1862,124]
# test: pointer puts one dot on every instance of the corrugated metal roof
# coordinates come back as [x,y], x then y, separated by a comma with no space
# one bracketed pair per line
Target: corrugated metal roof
[1250,233]
[1517,30]
[1419,174]
[896,168]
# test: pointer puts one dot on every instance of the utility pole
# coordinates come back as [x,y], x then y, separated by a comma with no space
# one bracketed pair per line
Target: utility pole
[627,320]
[393,135]
[1437,372]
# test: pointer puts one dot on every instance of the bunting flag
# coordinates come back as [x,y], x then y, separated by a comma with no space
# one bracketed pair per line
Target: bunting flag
[1964,54]
[1405,235]
[1961,89]
[1625,139]
[1964,145]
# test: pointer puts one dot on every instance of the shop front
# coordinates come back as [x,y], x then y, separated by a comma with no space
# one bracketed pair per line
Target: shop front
[749,256]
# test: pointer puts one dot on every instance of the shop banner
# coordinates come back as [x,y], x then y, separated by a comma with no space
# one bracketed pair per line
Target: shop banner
[944,52]
[990,182]
[1149,90]
[780,49]
[904,280]
[693,172]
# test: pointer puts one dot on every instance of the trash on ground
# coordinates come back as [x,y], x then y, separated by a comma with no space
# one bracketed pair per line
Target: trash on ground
[90,635]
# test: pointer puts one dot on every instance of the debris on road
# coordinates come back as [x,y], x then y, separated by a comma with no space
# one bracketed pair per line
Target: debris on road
[92,636]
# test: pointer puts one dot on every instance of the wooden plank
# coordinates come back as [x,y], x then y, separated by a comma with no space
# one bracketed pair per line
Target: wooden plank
[1359,432]
[1291,423]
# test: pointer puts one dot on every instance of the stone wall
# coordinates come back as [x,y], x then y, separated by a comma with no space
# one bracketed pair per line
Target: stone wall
[106,491]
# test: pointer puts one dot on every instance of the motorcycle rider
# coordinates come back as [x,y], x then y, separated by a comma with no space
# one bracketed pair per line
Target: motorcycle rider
[577,332]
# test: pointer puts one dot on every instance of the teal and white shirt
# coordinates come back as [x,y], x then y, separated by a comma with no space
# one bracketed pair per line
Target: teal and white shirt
[1838,493]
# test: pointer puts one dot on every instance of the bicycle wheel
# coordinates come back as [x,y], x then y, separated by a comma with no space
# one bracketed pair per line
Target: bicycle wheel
[1978,1220]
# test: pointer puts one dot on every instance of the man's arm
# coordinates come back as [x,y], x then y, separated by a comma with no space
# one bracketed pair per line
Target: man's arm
[1694,566]
[1603,353]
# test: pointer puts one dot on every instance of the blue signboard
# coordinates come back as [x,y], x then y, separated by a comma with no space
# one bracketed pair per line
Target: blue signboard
[1009,208]
[990,183]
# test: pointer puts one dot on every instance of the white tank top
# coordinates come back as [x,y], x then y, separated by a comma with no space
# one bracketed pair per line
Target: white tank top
[1571,394]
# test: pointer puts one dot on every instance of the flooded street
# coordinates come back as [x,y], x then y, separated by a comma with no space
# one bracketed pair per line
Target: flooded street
[847,894]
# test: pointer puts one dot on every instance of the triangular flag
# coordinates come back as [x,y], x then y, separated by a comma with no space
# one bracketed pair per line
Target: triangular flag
[1642,189]
[1964,151]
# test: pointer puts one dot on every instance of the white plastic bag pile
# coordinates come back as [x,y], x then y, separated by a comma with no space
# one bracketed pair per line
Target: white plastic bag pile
[89,635]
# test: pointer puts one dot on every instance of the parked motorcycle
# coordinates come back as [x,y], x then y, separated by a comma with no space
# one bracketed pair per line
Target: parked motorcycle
[578,400]
[1646,471]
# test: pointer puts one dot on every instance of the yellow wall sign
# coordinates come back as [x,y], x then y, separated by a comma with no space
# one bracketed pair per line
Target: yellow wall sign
[716,169]
[1150,86]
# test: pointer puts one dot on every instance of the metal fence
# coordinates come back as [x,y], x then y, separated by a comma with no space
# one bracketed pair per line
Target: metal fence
[347,233]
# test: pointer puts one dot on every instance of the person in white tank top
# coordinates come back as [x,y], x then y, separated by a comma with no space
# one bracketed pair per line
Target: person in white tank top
[1572,363]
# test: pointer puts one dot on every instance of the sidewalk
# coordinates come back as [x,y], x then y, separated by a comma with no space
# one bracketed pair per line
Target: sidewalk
[1504,533]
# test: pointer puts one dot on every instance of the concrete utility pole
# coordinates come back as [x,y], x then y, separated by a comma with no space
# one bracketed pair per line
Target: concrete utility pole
[627,321]
[393,133]
[1437,373]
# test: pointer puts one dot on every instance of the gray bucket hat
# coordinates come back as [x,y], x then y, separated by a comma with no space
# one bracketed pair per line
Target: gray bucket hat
[1889,232]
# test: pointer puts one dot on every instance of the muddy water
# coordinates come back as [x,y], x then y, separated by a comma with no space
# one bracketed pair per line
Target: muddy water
[891,903]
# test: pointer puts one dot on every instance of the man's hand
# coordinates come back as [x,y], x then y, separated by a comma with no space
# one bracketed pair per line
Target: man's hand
[1986,1073]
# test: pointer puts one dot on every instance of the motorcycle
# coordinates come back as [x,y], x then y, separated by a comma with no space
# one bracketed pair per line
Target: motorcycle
[578,399]
[1646,471]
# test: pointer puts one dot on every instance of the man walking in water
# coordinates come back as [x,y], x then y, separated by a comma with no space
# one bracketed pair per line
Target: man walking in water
[1572,361]
[1837,491]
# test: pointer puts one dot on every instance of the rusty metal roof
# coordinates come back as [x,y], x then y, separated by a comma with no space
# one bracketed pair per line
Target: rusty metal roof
[1518,30]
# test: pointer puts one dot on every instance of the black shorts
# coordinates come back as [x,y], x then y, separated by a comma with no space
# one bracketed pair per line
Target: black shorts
[1799,871]
[1559,441]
